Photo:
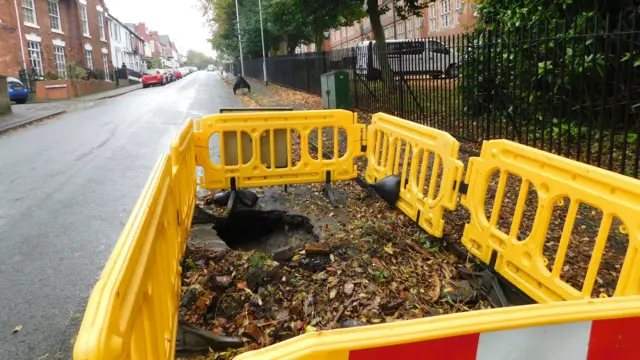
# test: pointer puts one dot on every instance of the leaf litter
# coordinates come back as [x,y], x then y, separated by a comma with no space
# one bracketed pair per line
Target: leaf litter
[376,266]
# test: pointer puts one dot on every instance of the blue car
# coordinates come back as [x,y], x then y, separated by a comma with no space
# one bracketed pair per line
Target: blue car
[17,91]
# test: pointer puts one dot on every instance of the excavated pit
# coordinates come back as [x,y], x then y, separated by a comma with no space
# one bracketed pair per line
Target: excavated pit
[264,230]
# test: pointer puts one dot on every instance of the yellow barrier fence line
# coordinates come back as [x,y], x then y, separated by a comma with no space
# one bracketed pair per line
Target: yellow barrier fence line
[554,178]
[184,177]
[336,344]
[386,138]
[261,127]
[133,310]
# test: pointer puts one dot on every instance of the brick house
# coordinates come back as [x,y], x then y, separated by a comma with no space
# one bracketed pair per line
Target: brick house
[440,18]
[48,35]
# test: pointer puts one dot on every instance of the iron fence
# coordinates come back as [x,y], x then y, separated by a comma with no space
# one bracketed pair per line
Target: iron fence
[572,88]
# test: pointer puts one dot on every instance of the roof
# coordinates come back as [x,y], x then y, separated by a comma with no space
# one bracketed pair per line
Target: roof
[126,26]
[164,39]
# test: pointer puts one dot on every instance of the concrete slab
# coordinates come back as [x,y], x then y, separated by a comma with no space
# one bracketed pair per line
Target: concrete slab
[204,237]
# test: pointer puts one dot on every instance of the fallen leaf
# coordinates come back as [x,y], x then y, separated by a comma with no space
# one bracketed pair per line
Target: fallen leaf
[242,284]
[17,329]
[310,329]
[376,262]
[388,249]
[202,303]
[332,293]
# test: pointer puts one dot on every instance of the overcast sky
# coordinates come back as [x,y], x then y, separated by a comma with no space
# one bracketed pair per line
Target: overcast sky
[179,19]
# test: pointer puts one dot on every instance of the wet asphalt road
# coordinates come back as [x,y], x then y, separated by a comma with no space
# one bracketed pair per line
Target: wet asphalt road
[67,186]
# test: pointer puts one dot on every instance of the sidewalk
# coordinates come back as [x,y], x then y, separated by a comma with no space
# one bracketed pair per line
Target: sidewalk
[109,93]
[28,113]
[36,111]
[277,96]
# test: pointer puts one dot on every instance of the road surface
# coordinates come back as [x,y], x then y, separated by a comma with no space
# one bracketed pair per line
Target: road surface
[67,186]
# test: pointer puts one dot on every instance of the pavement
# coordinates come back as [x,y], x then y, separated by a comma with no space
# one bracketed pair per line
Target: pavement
[67,187]
[28,113]
[35,111]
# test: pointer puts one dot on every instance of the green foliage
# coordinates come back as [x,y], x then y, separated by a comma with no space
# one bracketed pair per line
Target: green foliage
[258,259]
[541,61]
[76,71]
[52,75]
[99,74]
[198,59]
[287,23]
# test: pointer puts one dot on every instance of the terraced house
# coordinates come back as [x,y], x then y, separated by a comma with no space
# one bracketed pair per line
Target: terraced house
[45,36]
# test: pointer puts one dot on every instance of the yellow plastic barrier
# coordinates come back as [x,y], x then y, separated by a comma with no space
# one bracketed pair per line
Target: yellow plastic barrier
[133,310]
[183,164]
[265,156]
[399,147]
[554,178]
[596,329]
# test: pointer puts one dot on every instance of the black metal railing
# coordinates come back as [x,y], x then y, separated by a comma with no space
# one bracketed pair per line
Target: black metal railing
[571,88]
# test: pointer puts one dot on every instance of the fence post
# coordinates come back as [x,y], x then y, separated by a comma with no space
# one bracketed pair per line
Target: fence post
[324,62]
[401,88]
[354,52]
[306,71]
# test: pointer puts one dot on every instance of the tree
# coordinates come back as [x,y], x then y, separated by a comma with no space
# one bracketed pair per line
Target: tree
[404,10]
[287,23]
[328,14]
[198,59]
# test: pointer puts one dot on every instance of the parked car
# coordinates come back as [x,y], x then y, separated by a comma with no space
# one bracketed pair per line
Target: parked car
[171,76]
[17,91]
[211,68]
[153,77]
[185,71]
[410,57]
[178,74]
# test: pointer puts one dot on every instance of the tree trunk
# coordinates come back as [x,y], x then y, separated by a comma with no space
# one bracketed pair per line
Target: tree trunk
[319,40]
[381,44]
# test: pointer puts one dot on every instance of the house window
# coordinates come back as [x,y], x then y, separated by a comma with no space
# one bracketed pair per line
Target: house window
[410,28]
[61,61]
[101,25]
[29,12]
[458,4]
[433,23]
[400,30]
[419,22]
[88,56]
[34,56]
[84,19]
[445,13]
[54,15]
[105,63]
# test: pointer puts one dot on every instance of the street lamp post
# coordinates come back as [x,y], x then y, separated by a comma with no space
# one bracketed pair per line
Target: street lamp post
[239,39]
[264,57]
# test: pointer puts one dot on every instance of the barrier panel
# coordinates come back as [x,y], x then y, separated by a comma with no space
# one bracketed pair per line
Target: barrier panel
[133,310]
[427,161]
[555,181]
[599,329]
[183,166]
[259,149]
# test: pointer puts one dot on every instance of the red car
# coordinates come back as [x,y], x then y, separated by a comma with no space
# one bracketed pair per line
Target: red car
[153,77]
[178,74]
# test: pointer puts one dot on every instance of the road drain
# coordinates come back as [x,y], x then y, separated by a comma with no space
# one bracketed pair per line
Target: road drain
[264,230]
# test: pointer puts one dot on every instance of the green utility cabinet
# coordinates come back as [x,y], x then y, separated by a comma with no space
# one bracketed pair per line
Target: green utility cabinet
[335,90]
